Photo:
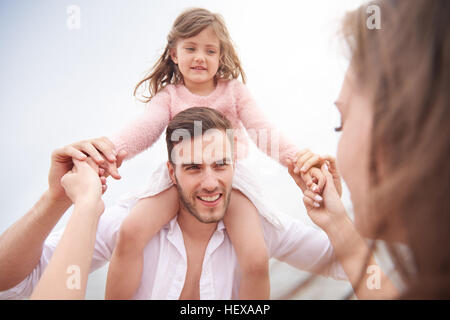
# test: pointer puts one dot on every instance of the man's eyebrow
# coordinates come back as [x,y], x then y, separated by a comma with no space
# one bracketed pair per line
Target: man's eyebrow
[187,164]
[224,160]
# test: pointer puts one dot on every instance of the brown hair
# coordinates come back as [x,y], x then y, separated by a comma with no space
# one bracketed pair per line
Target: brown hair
[404,69]
[187,120]
[188,24]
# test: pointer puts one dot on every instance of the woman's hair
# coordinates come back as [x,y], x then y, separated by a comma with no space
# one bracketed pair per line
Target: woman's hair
[189,24]
[404,69]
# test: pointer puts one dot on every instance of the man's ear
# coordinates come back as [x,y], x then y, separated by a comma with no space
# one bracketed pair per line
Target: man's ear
[173,55]
[171,170]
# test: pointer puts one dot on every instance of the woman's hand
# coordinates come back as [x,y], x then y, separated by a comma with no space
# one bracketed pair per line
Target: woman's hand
[326,209]
[83,184]
[307,165]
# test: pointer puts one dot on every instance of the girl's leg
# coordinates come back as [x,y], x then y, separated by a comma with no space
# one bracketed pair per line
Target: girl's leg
[245,231]
[147,217]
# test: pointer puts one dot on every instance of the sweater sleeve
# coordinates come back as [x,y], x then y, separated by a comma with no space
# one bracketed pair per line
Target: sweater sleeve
[261,131]
[141,133]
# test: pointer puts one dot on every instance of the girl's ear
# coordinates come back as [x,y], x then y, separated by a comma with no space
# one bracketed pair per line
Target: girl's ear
[173,55]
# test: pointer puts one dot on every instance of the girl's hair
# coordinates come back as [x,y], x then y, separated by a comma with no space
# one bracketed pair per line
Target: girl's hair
[404,69]
[188,24]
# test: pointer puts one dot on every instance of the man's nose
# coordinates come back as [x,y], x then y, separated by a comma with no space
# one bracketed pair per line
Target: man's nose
[209,181]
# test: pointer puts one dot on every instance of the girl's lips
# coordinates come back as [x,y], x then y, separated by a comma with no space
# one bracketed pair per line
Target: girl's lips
[210,203]
[199,68]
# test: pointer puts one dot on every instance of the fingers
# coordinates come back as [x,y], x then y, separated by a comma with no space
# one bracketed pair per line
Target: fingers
[319,178]
[298,180]
[89,149]
[331,162]
[106,147]
[305,160]
[111,169]
[68,152]
[310,162]
[312,199]
[120,157]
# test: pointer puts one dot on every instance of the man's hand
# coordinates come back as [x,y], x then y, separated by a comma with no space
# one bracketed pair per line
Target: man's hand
[82,183]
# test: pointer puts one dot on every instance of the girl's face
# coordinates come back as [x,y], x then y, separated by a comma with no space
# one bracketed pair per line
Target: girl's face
[198,58]
[354,150]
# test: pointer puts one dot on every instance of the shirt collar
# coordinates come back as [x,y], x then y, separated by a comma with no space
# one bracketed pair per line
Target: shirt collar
[171,225]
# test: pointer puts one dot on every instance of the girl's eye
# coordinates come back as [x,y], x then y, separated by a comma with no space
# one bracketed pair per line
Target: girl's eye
[211,52]
[190,49]
[339,129]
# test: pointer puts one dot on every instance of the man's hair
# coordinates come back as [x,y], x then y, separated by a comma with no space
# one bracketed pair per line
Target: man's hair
[195,121]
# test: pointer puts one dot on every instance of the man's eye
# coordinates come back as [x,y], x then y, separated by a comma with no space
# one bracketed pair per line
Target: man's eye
[193,168]
[221,164]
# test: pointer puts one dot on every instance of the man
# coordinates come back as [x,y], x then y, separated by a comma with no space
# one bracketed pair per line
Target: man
[192,255]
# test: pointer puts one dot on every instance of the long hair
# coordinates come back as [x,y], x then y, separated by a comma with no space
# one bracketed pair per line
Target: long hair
[189,24]
[404,69]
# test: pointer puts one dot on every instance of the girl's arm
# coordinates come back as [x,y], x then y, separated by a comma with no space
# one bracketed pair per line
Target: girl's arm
[258,126]
[140,134]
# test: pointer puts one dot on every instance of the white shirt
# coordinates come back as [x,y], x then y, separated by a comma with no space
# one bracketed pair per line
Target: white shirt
[165,262]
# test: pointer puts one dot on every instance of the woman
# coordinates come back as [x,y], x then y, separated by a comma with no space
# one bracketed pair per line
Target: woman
[395,147]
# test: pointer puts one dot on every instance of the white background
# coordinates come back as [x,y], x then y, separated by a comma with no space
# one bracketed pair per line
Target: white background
[58,86]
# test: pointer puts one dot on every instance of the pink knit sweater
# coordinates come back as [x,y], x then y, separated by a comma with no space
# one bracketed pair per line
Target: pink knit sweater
[230,97]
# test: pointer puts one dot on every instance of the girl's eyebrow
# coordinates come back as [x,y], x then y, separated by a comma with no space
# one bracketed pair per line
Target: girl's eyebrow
[194,43]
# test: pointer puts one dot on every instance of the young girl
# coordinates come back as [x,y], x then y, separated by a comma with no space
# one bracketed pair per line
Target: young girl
[199,67]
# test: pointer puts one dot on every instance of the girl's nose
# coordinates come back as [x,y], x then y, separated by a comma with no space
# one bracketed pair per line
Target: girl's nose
[199,58]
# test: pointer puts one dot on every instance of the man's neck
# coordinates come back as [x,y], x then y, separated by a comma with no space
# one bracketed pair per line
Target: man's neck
[193,228]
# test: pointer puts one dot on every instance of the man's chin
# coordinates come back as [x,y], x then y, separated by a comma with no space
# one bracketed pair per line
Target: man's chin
[208,217]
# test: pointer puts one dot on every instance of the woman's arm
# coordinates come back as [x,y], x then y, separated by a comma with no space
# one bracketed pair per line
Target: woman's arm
[350,248]
[21,244]
[67,272]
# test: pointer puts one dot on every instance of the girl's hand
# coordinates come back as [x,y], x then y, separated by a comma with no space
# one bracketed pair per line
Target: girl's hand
[327,209]
[104,154]
[307,165]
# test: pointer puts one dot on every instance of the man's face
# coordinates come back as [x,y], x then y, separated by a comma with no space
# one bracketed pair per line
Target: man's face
[203,172]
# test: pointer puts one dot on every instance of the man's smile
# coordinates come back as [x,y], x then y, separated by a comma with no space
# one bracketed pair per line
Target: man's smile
[210,200]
